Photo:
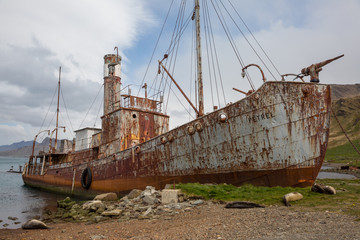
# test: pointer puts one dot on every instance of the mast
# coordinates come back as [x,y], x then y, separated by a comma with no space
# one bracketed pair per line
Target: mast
[198,53]
[57,110]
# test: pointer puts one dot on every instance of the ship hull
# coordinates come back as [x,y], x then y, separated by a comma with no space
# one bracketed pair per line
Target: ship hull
[277,136]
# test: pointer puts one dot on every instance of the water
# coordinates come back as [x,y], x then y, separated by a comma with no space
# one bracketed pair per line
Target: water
[334,175]
[17,200]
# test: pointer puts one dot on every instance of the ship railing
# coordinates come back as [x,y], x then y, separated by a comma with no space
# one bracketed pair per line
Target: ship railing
[141,103]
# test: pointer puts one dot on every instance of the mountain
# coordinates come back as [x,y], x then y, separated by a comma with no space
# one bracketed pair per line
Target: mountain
[26,149]
[16,145]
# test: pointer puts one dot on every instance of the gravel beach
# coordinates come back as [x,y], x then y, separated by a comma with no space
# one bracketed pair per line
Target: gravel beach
[209,221]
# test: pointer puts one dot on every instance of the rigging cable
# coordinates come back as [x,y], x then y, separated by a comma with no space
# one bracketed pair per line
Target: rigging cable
[170,46]
[157,42]
[173,45]
[216,56]
[255,39]
[91,106]
[343,130]
[52,100]
[247,40]
[180,27]
[67,113]
[232,42]
[98,113]
[180,102]
[208,56]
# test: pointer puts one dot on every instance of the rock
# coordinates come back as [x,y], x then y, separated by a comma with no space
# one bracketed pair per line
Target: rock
[13,218]
[150,189]
[66,203]
[100,219]
[106,197]
[93,205]
[34,224]
[197,202]
[134,193]
[115,212]
[95,237]
[159,210]
[148,199]
[5,225]
[170,196]
[148,212]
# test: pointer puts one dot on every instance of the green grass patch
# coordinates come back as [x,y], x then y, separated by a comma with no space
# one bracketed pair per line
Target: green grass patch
[345,154]
[346,200]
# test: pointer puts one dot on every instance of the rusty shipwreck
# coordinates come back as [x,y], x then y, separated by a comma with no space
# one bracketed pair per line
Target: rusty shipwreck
[276,135]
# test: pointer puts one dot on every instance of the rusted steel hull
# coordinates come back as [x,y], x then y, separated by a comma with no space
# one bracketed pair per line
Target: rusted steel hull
[277,136]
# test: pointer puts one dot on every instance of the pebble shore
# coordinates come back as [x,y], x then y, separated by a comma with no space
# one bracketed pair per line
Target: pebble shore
[141,215]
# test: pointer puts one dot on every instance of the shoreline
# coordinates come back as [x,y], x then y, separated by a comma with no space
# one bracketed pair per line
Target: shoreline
[208,221]
[336,167]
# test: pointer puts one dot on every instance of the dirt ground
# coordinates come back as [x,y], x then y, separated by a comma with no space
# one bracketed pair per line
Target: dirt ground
[209,221]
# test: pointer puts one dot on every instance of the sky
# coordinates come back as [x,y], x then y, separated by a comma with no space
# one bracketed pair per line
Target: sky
[39,36]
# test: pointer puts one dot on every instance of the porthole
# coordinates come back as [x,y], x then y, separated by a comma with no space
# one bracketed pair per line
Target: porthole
[222,117]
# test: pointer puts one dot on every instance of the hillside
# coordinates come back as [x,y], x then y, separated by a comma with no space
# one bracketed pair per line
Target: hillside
[346,106]
[25,151]
[344,91]
[347,111]
[16,145]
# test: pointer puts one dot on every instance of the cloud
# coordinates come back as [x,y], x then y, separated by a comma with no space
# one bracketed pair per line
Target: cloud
[39,36]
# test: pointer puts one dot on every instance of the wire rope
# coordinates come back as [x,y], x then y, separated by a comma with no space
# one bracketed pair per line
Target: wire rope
[247,40]
[91,106]
[66,110]
[231,40]
[157,42]
[52,100]
[255,38]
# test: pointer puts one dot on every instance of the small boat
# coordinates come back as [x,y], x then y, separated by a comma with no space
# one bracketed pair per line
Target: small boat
[11,170]
[275,135]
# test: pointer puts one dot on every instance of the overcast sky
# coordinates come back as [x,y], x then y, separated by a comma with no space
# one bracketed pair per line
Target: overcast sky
[39,36]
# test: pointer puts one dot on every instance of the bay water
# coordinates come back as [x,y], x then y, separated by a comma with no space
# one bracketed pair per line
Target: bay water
[17,200]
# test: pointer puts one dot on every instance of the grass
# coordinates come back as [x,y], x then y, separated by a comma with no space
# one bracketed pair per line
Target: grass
[347,198]
[345,154]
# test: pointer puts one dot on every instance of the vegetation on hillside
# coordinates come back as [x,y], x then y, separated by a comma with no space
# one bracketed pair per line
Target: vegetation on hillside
[347,111]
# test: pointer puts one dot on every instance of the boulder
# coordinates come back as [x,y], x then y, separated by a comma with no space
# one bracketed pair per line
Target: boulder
[134,193]
[106,197]
[67,203]
[93,205]
[115,212]
[197,202]
[170,196]
[34,224]
[148,199]
[148,212]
